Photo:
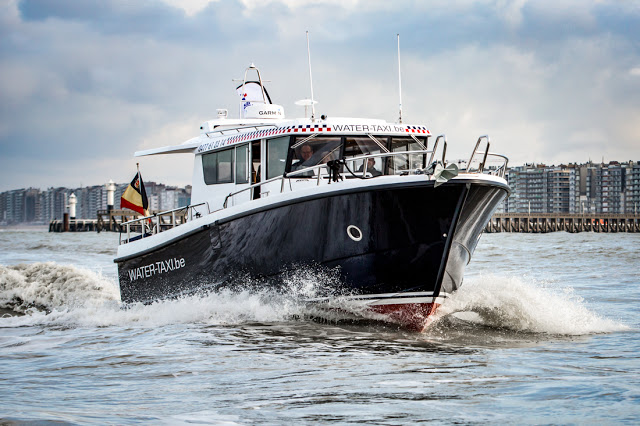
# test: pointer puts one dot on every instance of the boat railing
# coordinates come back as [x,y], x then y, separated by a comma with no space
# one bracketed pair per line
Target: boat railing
[497,171]
[146,226]
[239,129]
[156,223]
[316,170]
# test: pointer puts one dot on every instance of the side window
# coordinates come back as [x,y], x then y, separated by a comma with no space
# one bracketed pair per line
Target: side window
[209,168]
[217,167]
[225,169]
[242,155]
[277,156]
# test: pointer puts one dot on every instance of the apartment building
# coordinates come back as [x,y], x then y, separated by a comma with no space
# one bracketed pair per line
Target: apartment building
[574,188]
[39,207]
[541,189]
[632,190]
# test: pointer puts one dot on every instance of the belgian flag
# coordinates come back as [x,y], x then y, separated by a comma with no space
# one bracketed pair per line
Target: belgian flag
[135,196]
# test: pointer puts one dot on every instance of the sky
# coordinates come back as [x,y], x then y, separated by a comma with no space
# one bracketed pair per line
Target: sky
[86,83]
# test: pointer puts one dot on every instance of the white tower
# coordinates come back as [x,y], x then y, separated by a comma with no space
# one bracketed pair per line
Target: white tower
[111,190]
[73,200]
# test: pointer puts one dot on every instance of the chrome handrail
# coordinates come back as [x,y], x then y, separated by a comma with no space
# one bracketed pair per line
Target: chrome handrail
[157,227]
[499,171]
[475,149]
[252,186]
[238,129]
[435,147]
[319,167]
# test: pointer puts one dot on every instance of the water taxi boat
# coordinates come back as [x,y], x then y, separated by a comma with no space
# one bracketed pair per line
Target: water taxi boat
[374,201]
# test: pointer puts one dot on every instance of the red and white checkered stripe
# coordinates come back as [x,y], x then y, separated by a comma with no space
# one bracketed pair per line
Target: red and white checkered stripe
[308,128]
[300,128]
[417,129]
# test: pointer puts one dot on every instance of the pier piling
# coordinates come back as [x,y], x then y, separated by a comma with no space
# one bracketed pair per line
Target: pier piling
[110,220]
[554,222]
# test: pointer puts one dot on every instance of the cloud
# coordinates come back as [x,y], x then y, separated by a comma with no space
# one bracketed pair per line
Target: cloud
[190,7]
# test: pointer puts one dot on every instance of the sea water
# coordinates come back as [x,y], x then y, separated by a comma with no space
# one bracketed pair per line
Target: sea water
[545,330]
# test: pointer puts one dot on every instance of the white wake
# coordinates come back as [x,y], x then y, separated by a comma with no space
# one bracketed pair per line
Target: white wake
[525,305]
[65,295]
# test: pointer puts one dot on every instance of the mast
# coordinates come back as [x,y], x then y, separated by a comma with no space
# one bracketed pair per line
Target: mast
[313,108]
[399,84]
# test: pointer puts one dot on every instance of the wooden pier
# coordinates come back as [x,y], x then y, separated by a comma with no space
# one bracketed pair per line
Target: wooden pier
[72,225]
[553,222]
[110,220]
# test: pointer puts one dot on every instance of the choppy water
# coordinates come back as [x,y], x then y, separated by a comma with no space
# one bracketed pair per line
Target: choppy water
[544,330]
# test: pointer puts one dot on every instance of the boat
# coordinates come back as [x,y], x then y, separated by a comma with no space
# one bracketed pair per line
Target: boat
[375,202]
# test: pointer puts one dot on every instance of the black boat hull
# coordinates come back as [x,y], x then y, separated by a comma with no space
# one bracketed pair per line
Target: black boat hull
[383,240]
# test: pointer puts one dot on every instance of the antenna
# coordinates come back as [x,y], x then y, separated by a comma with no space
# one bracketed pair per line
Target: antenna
[313,108]
[306,103]
[399,84]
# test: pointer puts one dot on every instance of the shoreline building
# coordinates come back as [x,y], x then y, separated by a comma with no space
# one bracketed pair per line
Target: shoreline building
[574,188]
[632,194]
[33,206]
[541,189]
[612,188]
[610,191]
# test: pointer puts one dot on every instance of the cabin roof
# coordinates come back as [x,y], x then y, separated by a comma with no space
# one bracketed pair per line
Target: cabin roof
[228,132]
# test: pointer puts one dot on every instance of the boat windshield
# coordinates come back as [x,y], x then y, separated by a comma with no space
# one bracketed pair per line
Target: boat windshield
[309,152]
[316,151]
[357,146]
[400,163]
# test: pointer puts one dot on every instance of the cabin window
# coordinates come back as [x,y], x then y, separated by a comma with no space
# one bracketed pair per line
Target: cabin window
[318,150]
[356,146]
[217,167]
[225,163]
[277,156]
[242,170]
[410,161]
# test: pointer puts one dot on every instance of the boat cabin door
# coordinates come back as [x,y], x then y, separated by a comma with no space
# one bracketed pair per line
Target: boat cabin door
[256,170]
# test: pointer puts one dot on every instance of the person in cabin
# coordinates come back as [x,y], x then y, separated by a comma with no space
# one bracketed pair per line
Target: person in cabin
[306,152]
[303,160]
[371,167]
